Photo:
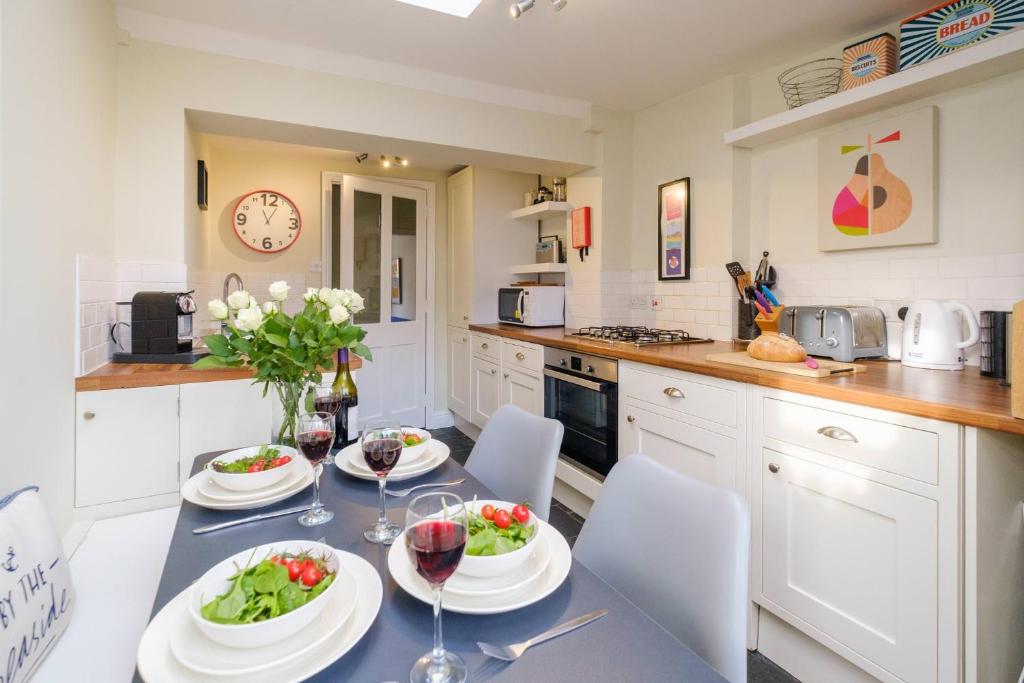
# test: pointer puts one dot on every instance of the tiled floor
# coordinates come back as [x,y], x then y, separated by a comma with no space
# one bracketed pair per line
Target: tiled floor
[760,669]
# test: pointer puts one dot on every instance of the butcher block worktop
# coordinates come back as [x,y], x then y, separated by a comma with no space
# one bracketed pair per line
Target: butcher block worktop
[135,375]
[964,397]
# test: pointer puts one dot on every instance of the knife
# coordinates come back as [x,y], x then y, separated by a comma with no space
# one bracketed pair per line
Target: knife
[252,518]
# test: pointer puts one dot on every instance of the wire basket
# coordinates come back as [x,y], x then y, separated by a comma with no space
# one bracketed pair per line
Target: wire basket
[811,81]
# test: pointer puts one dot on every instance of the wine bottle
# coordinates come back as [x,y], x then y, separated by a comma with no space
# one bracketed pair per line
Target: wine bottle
[347,420]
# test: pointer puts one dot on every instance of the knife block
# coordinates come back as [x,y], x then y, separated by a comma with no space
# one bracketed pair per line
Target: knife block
[770,322]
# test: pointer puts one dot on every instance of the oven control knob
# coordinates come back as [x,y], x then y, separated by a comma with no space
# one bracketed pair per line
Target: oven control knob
[561,361]
[831,342]
[590,368]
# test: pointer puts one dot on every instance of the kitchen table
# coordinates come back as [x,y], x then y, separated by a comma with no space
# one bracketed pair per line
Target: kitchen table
[625,645]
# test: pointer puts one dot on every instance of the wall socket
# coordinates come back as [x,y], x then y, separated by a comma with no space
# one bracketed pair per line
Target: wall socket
[639,302]
[655,303]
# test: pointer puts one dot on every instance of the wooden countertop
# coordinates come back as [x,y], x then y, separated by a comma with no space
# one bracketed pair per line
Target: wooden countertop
[963,397]
[135,375]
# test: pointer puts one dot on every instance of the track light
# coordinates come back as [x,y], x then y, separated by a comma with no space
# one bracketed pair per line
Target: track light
[401,161]
[360,158]
[385,162]
[559,4]
[519,7]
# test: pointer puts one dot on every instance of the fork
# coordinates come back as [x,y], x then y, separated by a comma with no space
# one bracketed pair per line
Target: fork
[402,493]
[511,653]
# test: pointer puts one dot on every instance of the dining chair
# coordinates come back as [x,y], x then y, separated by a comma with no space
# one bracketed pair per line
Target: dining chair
[679,549]
[515,457]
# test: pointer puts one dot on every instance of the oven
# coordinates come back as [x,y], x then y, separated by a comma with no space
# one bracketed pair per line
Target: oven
[581,392]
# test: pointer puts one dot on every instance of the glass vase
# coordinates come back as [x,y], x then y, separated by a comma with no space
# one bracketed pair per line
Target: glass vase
[290,395]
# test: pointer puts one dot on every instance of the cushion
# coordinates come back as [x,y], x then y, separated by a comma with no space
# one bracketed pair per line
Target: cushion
[36,595]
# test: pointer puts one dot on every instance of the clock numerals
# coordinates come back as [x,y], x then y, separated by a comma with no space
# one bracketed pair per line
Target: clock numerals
[279,233]
[293,223]
[241,219]
[269,199]
[267,243]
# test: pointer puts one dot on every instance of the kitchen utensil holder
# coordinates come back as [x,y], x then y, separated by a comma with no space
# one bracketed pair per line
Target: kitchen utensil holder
[746,328]
[770,322]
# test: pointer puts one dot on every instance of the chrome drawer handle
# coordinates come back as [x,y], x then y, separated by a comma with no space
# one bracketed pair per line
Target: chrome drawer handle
[773,468]
[672,392]
[484,345]
[630,419]
[88,415]
[520,355]
[494,372]
[465,317]
[837,433]
[505,375]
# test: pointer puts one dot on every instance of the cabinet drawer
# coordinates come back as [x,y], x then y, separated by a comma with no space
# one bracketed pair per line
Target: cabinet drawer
[681,392]
[895,448]
[487,347]
[526,358]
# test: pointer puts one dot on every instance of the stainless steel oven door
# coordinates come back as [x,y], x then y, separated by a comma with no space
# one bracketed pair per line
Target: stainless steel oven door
[588,409]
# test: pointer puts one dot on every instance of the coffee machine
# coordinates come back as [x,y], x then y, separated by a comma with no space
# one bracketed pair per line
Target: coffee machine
[161,329]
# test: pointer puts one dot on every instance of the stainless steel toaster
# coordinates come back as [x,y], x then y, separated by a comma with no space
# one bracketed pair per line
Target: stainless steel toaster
[842,333]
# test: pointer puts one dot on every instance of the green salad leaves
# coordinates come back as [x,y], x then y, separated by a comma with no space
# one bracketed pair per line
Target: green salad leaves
[487,538]
[266,590]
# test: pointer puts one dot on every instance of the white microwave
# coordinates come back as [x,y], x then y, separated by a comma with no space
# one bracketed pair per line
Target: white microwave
[540,306]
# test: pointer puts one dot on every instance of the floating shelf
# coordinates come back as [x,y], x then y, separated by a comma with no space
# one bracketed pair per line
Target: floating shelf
[541,268]
[539,212]
[993,57]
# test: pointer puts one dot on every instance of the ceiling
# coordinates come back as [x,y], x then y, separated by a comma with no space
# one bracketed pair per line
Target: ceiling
[621,54]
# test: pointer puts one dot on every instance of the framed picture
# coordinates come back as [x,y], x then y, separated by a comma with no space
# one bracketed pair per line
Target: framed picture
[674,230]
[396,280]
[202,185]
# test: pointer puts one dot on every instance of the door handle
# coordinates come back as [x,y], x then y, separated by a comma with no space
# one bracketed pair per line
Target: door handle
[88,415]
[673,392]
[837,433]
[494,372]
[505,375]
[630,419]
[484,345]
[465,317]
[520,355]
[773,468]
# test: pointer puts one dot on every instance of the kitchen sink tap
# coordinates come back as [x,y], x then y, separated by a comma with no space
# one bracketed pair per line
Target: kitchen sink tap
[227,283]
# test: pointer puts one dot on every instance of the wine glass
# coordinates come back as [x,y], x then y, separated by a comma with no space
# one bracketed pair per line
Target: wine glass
[326,400]
[315,435]
[436,529]
[382,446]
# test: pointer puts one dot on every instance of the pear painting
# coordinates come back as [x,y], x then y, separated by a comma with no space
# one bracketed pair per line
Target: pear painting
[879,192]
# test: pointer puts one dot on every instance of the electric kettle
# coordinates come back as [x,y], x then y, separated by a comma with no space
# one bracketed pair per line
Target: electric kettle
[932,334]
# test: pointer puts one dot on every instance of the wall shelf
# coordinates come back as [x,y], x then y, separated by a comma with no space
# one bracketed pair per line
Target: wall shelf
[541,268]
[542,211]
[994,57]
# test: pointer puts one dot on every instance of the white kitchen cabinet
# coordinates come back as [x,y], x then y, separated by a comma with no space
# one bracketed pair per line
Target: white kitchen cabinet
[126,444]
[459,379]
[221,415]
[484,242]
[486,390]
[524,390]
[699,453]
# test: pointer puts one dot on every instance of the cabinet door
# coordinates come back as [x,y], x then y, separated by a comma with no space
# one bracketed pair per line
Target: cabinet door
[460,247]
[486,390]
[458,372]
[854,560]
[126,444]
[695,452]
[523,390]
[221,415]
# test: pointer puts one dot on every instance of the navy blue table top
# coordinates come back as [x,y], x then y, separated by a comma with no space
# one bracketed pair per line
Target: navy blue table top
[625,645]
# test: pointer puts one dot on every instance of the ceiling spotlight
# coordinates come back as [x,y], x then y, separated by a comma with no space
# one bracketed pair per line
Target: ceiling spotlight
[559,4]
[519,7]
[401,162]
[385,162]
[360,158]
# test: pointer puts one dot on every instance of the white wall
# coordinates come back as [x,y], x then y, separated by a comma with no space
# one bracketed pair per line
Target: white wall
[58,122]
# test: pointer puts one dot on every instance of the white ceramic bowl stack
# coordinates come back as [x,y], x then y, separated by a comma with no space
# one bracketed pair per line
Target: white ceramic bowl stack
[489,566]
[250,490]
[251,481]
[413,462]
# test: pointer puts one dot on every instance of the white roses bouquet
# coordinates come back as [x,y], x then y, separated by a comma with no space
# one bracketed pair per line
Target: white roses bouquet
[288,352]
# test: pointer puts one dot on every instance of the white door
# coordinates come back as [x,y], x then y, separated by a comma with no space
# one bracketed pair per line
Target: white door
[382,254]
[458,371]
[854,560]
[523,390]
[460,247]
[486,390]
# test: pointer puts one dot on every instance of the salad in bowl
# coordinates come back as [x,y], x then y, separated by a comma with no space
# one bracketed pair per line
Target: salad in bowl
[501,538]
[252,468]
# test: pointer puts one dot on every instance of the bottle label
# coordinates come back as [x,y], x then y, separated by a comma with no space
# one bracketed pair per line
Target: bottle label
[353,423]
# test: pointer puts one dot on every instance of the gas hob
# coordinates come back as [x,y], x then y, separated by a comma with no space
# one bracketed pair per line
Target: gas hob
[636,336]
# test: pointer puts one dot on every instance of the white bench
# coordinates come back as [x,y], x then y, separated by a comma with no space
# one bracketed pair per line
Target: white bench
[115,570]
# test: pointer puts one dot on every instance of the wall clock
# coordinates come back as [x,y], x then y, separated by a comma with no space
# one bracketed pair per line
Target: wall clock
[266,221]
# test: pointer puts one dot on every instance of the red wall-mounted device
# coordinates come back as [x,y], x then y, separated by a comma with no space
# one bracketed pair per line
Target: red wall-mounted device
[581,227]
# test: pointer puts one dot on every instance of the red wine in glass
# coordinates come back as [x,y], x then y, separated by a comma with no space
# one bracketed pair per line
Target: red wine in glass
[435,547]
[382,454]
[315,445]
[328,404]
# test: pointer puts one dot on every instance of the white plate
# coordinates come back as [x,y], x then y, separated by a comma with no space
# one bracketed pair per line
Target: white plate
[215,491]
[440,454]
[190,491]
[551,578]
[156,663]
[461,584]
[202,655]
[354,454]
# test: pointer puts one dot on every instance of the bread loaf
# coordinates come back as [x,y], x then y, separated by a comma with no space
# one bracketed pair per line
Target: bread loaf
[775,347]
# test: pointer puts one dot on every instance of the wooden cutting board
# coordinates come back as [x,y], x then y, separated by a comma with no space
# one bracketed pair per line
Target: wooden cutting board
[825,368]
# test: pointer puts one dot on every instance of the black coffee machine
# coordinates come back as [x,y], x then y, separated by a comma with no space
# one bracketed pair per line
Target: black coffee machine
[161,329]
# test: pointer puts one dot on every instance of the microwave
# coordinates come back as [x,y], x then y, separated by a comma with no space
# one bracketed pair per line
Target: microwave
[540,306]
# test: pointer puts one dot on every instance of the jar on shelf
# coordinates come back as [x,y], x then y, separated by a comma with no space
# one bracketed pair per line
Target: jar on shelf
[558,189]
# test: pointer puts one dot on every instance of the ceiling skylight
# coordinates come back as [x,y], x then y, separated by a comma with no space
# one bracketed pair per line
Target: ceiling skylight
[458,8]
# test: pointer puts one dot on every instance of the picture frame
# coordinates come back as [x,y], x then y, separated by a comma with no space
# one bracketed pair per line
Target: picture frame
[396,281]
[674,230]
[202,185]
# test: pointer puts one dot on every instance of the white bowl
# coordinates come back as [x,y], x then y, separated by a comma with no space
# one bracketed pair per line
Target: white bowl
[496,565]
[251,481]
[411,453]
[215,582]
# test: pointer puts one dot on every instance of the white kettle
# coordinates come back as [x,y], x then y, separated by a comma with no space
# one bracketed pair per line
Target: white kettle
[932,334]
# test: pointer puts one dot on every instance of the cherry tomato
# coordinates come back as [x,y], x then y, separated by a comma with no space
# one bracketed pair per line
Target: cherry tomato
[487,512]
[294,569]
[307,563]
[521,513]
[285,459]
[253,467]
[502,519]
[311,576]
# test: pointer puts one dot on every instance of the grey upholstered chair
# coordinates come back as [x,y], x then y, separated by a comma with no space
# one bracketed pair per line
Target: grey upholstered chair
[515,457]
[679,549]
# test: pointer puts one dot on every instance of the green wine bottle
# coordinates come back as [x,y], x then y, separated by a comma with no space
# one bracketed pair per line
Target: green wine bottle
[347,420]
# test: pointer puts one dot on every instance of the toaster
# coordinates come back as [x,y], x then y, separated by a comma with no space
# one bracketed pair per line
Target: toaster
[842,333]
